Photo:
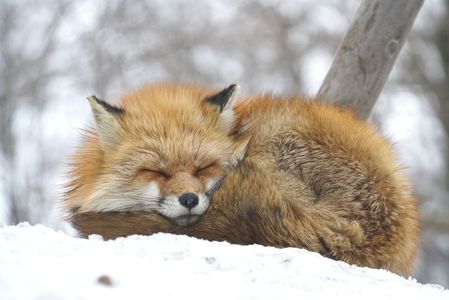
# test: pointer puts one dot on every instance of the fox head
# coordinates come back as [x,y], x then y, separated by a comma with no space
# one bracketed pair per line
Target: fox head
[164,149]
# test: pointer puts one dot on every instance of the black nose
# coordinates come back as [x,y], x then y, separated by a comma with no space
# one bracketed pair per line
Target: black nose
[189,200]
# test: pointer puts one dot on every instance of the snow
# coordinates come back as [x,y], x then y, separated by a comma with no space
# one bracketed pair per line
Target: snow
[37,262]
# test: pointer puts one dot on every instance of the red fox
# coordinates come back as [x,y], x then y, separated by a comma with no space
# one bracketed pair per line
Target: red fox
[272,170]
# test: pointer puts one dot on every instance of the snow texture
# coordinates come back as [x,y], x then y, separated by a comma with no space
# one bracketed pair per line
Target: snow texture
[39,263]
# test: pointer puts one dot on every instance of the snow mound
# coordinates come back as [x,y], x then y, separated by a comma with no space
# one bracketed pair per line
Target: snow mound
[38,263]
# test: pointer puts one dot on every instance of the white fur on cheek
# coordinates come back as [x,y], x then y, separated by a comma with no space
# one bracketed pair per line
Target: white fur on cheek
[211,183]
[202,206]
[151,192]
[110,198]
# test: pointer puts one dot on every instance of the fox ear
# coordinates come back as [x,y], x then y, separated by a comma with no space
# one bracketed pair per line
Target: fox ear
[224,100]
[106,120]
[239,149]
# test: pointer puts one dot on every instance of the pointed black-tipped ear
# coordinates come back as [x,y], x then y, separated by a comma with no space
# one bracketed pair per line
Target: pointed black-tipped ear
[107,121]
[224,98]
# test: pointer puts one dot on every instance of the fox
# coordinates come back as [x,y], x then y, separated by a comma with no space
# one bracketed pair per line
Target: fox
[274,170]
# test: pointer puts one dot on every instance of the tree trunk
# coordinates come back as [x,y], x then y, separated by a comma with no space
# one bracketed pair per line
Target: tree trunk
[367,53]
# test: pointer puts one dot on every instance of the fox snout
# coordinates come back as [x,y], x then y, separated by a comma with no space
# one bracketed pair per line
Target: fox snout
[185,209]
[181,197]
[183,200]
[188,200]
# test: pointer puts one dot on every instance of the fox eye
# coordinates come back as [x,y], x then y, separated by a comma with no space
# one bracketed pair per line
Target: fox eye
[158,173]
[205,169]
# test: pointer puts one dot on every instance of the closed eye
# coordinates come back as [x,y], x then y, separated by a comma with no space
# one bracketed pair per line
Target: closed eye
[155,172]
[205,169]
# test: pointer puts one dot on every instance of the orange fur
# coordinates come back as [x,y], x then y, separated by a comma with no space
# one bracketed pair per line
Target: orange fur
[313,176]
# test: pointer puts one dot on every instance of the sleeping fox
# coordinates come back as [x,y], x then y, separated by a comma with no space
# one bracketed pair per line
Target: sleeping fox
[272,170]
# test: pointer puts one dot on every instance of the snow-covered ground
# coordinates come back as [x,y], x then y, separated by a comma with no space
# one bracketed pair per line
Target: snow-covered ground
[39,263]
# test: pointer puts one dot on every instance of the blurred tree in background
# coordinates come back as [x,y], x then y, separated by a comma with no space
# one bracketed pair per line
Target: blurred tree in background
[54,53]
[28,43]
